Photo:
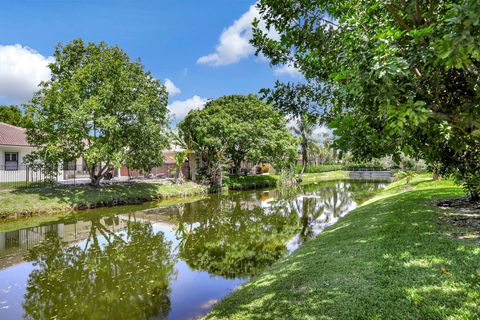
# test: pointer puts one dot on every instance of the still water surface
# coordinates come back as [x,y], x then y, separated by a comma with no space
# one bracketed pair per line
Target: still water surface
[161,263]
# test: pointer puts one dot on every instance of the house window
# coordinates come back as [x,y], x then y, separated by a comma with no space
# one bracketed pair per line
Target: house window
[11,161]
[70,165]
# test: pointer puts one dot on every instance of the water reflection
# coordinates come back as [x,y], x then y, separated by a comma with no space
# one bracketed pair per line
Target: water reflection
[119,276]
[238,237]
[172,262]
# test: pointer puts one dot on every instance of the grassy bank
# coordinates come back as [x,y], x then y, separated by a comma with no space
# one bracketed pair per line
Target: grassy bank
[324,176]
[251,182]
[392,258]
[29,201]
[271,180]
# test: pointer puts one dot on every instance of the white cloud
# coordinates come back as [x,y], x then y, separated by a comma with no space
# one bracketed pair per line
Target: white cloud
[287,69]
[180,108]
[171,88]
[234,42]
[21,70]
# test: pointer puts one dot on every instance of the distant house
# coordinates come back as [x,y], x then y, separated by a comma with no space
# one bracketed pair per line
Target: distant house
[167,170]
[13,169]
[13,147]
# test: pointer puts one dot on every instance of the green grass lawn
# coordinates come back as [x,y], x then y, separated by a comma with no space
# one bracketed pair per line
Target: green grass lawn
[271,180]
[391,258]
[27,201]
[324,176]
[251,182]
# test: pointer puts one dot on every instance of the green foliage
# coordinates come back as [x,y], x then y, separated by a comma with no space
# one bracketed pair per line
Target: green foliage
[100,106]
[238,128]
[251,182]
[407,175]
[14,116]
[394,77]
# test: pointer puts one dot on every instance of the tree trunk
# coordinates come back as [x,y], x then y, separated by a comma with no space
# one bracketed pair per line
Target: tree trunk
[192,166]
[95,180]
[304,156]
[435,171]
[216,179]
[179,176]
[237,166]
[474,195]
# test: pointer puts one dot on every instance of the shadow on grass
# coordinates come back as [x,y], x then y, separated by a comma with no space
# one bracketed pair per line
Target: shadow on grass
[390,259]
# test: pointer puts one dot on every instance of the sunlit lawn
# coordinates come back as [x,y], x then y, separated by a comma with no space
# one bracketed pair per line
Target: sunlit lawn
[392,258]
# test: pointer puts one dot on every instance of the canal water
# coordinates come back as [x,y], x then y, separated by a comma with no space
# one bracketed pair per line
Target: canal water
[154,262]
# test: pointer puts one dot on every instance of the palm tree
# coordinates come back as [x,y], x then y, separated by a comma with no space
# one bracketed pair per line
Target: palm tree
[180,158]
[187,144]
[304,129]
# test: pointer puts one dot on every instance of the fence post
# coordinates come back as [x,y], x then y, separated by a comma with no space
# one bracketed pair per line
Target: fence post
[26,176]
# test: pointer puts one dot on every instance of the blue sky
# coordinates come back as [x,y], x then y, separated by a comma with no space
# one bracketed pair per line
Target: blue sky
[201,46]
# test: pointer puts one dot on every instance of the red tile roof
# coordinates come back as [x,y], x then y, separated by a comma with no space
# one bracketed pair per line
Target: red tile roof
[12,136]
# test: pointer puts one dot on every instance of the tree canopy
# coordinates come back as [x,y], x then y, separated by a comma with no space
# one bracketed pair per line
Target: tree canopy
[238,128]
[14,116]
[298,102]
[100,106]
[395,76]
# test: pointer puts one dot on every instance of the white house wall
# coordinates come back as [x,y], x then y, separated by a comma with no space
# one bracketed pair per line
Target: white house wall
[17,175]
[20,174]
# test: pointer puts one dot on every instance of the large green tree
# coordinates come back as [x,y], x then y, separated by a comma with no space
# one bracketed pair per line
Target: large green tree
[14,116]
[238,128]
[396,76]
[100,106]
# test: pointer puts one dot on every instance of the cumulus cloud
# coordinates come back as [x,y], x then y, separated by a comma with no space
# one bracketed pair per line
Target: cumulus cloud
[289,70]
[171,88]
[180,108]
[234,42]
[21,70]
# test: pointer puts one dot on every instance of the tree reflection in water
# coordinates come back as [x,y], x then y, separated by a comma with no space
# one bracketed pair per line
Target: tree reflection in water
[233,237]
[119,276]
[320,205]
[239,235]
